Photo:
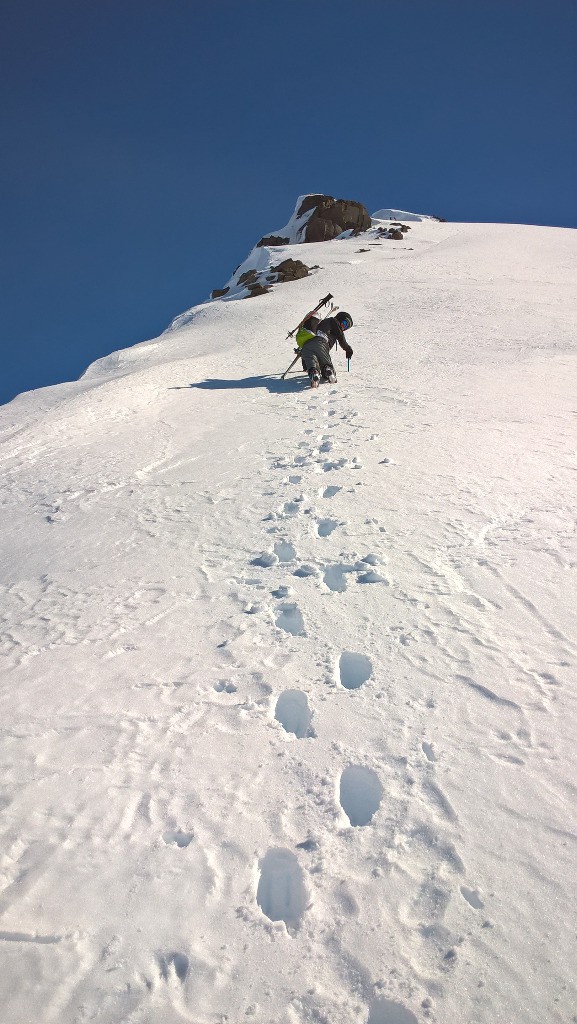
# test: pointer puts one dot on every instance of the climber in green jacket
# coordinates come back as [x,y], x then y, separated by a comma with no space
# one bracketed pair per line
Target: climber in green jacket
[315,339]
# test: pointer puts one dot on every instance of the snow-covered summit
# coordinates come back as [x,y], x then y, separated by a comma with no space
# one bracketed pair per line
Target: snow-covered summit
[287,700]
[315,218]
[293,231]
[400,215]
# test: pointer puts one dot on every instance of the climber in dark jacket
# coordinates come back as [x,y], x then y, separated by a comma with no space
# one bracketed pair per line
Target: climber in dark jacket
[316,351]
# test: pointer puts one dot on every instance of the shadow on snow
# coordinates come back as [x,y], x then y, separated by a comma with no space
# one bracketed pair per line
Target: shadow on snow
[273,384]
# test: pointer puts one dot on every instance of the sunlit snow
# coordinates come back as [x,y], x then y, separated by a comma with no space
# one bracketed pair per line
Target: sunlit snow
[288,686]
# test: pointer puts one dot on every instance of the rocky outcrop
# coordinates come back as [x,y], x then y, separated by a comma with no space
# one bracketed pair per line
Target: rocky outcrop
[273,240]
[327,218]
[251,281]
[394,231]
[330,217]
[288,270]
[258,282]
[317,218]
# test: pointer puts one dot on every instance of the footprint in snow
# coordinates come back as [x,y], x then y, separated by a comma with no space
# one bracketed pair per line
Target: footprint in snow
[174,837]
[371,577]
[290,619]
[225,686]
[387,1011]
[334,577]
[293,712]
[284,551]
[173,965]
[305,570]
[329,492]
[473,897]
[281,892]
[354,670]
[360,794]
[372,559]
[266,559]
[326,526]
[290,509]
[354,463]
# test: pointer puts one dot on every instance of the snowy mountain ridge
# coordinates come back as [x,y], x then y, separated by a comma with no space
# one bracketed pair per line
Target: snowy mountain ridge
[263,257]
[288,702]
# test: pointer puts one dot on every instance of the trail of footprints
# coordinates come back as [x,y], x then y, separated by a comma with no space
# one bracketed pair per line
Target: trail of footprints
[282,894]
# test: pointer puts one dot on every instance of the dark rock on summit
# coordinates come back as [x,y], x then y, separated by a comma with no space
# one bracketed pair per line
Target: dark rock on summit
[309,202]
[272,240]
[331,217]
[217,292]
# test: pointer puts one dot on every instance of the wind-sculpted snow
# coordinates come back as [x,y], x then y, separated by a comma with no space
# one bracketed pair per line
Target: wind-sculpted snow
[287,698]
[399,215]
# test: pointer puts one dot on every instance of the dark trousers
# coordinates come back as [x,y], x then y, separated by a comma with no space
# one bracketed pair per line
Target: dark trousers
[315,355]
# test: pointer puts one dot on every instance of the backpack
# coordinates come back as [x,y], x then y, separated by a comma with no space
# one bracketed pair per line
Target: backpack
[307,330]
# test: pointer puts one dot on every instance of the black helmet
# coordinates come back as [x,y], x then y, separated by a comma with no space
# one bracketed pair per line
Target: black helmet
[345,320]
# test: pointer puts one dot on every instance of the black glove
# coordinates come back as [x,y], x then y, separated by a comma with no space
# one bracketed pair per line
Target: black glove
[349,352]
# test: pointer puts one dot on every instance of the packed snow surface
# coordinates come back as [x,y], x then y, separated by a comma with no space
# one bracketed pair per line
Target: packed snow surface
[288,696]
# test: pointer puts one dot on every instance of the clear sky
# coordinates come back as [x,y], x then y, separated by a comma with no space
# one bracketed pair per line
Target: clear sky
[146,145]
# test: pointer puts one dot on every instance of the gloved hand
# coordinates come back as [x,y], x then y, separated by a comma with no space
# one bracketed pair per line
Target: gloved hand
[349,352]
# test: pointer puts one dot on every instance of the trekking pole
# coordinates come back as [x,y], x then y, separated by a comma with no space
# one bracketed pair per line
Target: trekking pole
[296,358]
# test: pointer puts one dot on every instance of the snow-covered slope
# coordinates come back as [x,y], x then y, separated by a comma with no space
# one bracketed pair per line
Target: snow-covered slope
[288,687]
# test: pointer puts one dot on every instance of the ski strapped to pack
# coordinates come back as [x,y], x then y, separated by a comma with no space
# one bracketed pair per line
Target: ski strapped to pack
[323,302]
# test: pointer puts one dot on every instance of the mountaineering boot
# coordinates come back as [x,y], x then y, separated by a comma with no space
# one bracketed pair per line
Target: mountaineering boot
[314,378]
[329,374]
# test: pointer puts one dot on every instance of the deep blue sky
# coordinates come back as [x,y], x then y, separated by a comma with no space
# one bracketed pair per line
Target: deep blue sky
[147,144]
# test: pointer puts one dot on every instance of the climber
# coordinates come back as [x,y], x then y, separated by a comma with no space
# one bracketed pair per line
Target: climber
[316,350]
